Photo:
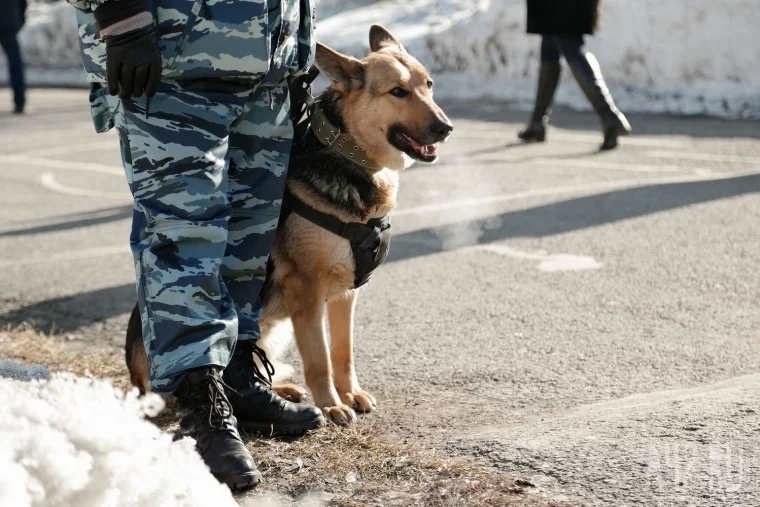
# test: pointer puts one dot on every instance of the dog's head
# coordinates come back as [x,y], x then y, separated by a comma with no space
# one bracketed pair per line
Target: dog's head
[386,101]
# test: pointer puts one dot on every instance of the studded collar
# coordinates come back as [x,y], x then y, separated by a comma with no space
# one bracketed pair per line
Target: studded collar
[331,136]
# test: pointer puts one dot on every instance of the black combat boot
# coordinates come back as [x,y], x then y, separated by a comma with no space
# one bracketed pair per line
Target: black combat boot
[548,79]
[207,417]
[589,76]
[257,406]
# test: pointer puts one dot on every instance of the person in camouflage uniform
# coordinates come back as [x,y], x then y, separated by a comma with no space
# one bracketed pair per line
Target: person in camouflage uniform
[198,93]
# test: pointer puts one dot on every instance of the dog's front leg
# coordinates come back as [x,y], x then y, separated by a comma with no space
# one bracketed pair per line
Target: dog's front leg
[307,311]
[340,313]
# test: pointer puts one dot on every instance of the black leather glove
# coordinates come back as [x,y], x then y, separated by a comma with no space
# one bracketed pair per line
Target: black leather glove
[133,63]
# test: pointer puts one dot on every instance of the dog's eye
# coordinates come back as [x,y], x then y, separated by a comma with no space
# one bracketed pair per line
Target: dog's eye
[399,92]
[430,85]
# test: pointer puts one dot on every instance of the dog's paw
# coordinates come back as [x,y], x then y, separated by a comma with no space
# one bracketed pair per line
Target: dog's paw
[342,415]
[290,392]
[359,400]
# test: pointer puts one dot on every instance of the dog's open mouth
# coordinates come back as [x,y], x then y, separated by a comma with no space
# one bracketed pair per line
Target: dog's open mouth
[416,150]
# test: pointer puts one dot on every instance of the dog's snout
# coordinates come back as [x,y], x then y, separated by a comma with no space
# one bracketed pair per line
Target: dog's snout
[441,128]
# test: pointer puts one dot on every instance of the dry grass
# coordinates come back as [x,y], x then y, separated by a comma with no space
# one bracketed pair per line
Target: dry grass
[360,466]
[348,467]
[30,346]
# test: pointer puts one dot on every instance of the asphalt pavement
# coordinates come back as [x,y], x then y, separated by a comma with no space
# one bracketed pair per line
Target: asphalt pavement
[587,321]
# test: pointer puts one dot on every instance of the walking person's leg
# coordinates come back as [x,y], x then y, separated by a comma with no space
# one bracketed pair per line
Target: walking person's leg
[16,70]
[176,164]
[260,143]
[586,70]
[548,79]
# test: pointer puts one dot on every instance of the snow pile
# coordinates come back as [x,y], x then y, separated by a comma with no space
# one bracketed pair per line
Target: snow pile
[74,442]
[671,56]
[50,46]
[676,56]
[13,370]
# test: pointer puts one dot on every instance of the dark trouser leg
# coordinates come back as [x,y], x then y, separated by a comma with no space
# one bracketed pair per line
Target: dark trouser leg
[16,70]
[259,152]
[177,165]
[548,79]
[586,70]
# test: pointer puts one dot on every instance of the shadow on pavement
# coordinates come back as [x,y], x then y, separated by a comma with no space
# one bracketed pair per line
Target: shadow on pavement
[69,313]
[643,124]
[569,215]
[96,217]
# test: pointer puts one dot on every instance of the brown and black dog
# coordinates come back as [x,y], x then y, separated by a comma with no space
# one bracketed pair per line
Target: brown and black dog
[383,104]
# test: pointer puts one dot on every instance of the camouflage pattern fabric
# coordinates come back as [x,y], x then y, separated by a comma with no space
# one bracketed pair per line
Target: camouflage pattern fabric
[207,168]
[238,39]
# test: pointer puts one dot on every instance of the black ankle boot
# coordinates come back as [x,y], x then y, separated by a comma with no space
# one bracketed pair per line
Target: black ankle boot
[207,417]
[589,76]
[257,406]
[613,127]
[533,133]
[548,79]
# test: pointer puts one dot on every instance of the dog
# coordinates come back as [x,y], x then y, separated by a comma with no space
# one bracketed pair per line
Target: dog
[376,118]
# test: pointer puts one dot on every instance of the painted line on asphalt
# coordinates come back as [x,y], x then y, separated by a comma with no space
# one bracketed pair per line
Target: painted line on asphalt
[548,263]
[48,181]
[570,189]
[705,157]
[62,164]
[67,256]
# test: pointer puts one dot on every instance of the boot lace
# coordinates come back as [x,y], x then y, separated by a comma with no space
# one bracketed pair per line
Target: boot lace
[256,351]
[216,406]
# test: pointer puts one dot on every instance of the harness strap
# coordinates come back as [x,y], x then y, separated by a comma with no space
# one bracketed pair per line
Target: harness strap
[369,242]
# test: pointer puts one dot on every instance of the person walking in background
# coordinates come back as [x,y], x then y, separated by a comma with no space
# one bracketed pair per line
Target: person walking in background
[562,25]
[11,21]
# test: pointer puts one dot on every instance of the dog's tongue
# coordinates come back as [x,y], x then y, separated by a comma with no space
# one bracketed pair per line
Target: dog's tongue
[431,149]
[417,146]
[427,149]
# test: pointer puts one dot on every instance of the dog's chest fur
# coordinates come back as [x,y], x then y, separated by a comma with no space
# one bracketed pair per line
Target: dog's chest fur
[329,183]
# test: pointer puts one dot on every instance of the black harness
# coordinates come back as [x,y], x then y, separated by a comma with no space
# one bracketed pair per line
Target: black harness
[369,241]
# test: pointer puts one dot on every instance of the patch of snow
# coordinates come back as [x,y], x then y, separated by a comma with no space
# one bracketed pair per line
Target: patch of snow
[73,442]
[50,46]
[479,48]
[12,370]
[677,56]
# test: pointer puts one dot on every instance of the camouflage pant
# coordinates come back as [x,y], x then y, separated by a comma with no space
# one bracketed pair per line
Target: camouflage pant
[207,170]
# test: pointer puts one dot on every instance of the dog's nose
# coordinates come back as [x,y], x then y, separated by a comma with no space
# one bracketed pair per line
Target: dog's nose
[441,128]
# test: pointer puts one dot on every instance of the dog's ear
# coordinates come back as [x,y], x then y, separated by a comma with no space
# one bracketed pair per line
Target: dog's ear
[380,37]
[344,72]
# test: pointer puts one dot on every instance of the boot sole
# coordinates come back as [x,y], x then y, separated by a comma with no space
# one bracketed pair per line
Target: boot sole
[240,482]
[533,138]
[282,430]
